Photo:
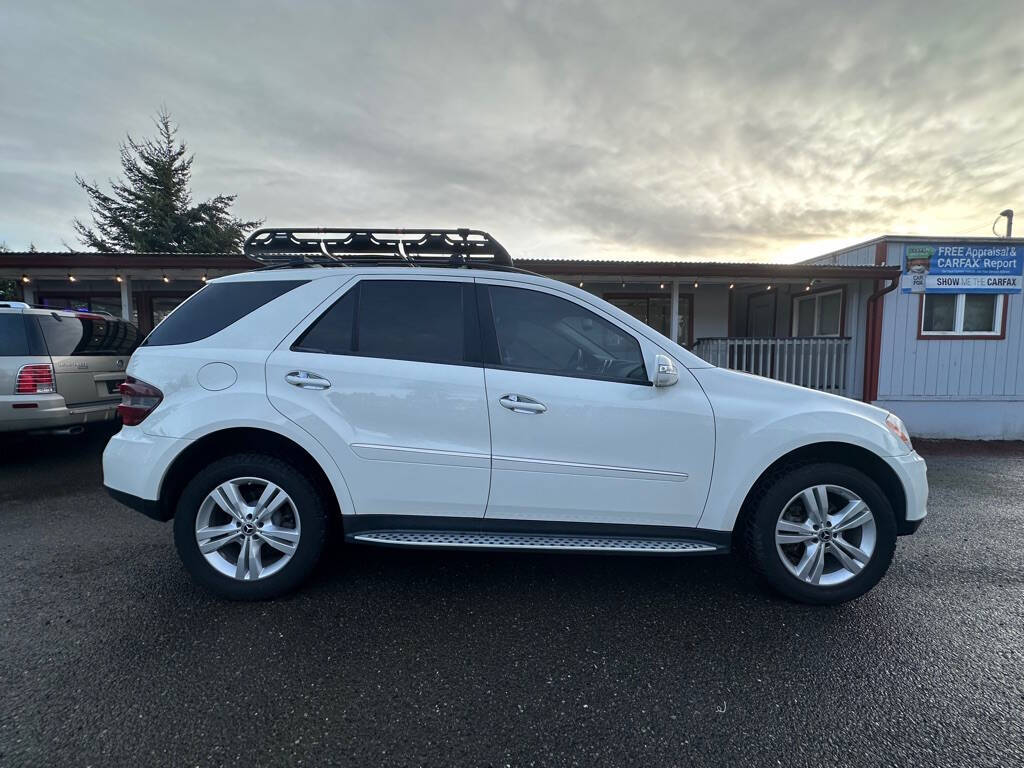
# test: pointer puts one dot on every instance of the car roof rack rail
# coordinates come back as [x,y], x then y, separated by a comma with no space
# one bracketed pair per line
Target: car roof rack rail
[274,247]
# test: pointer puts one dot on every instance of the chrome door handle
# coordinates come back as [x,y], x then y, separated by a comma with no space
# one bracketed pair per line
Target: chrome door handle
[521,404]
[307,380]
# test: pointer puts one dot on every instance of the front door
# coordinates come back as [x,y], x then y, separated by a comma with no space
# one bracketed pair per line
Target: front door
[761,315]
[578,433]
[389,380]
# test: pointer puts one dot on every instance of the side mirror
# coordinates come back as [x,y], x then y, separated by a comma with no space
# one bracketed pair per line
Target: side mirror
[665,372]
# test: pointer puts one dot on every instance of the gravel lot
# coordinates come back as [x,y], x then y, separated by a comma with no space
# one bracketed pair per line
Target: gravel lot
[110,656]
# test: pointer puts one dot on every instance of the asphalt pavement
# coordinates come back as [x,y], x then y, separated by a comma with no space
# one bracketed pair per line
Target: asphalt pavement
[109,655]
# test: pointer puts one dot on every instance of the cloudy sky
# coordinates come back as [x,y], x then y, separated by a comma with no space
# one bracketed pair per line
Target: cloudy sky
[701,130]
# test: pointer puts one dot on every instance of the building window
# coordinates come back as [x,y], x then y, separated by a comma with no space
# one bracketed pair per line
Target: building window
[656,311]
[818,314]
[962,314]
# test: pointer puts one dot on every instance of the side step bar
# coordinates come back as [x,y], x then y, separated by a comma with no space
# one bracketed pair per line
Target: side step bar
[537,541]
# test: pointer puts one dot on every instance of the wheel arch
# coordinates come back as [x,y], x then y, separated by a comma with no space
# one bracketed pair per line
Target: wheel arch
[225,442]
[868,462]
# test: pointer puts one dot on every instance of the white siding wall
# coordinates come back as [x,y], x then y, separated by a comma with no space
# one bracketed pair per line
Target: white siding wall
[950,387]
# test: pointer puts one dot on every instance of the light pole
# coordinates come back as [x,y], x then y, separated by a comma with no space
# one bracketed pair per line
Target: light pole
[1008,213]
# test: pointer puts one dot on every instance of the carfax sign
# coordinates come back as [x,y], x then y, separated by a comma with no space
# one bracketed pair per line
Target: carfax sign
[961,268]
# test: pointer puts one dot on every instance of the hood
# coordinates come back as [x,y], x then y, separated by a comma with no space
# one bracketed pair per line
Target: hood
[721,385]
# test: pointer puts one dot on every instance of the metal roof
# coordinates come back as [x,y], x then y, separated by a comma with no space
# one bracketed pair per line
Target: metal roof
[28,260]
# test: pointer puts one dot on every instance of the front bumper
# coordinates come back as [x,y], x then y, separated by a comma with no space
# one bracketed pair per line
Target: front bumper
[913,474]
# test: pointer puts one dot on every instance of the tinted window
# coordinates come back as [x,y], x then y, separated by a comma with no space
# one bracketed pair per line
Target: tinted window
[13,341]
[425,320]
[539,332]
[333,332]
[215,307]
[87,335]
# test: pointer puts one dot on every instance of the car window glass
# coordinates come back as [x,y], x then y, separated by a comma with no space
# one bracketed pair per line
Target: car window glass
[411,320]
[215,307]
[87,335]
[422,320]
[536,331]
[13,341]
[332,333]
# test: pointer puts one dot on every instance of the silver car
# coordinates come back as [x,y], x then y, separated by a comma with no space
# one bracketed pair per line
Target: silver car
[60,369]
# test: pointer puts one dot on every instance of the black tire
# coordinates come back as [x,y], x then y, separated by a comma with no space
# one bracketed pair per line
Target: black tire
[767,505]
[309,506]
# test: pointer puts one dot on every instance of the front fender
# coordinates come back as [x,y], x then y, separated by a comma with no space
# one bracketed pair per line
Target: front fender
[758,421]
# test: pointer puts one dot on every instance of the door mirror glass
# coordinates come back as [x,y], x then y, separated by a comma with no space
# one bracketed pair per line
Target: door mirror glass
[665,372]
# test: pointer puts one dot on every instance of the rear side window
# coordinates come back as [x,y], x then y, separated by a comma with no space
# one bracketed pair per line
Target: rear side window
[423,320]
[87,335]
[214,308]
[13,340]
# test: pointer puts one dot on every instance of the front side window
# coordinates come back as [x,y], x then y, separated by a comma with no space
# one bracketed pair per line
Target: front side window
[422,320]
[542,333]
[961,314]
[819,314]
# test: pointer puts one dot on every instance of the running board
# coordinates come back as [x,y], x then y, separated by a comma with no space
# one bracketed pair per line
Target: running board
[537,541]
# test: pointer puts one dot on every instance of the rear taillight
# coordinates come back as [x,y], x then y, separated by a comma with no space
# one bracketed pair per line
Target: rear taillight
[35,380]
[138,399]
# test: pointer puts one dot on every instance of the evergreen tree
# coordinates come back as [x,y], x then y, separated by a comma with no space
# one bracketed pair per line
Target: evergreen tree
[8,288]
[151,208]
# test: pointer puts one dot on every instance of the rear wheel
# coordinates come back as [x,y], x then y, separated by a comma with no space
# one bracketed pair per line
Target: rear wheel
[250,527]
[822,533]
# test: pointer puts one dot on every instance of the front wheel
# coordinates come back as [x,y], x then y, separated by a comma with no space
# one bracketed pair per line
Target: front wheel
[250,527]
[822,533]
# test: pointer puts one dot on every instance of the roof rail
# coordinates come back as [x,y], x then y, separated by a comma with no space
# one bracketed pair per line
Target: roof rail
[327,246]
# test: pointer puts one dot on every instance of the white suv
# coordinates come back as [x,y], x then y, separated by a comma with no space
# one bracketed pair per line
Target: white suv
[455,402]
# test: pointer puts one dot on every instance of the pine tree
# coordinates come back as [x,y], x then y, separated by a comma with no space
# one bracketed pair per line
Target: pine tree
[151,210]
[8,288]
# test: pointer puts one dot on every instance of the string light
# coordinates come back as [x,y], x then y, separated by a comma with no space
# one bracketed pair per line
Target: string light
[807,288]
[24,279]
[118,278]
[769,287]
[662,286]
[166,279]
[203,278]
[581,283]
[71,278]
[695,284]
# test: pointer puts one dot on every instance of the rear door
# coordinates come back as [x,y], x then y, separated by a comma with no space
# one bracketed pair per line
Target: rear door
[389,380]
[89,353]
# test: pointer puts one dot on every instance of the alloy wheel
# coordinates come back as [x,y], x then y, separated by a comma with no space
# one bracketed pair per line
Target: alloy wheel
[825,535]
[247,528]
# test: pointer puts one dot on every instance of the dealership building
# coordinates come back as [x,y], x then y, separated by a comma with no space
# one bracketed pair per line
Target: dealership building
[931,328]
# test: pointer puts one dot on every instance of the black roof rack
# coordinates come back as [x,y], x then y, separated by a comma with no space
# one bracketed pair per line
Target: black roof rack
[275,247]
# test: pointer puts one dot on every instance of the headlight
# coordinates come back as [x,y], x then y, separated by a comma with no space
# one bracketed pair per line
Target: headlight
[898,428]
